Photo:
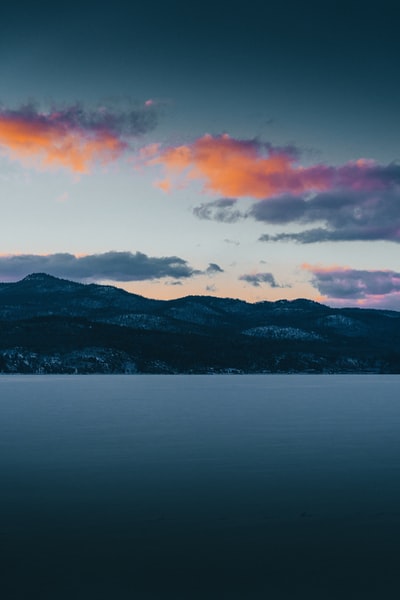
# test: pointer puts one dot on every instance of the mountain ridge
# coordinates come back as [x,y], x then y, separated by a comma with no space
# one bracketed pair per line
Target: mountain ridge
[54,325]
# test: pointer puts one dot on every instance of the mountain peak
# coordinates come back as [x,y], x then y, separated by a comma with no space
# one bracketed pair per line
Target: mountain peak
[44,281]
[39,277]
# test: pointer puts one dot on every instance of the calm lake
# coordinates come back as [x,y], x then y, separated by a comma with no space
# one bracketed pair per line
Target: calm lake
[206,487]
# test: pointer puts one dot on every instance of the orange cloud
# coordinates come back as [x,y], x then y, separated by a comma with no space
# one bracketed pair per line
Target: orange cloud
[322,269]
[50,143]
[237,168]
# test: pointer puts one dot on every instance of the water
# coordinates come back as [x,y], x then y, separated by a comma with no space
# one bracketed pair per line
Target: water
[203,487]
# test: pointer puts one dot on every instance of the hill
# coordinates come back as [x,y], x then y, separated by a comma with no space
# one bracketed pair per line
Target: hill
[52,325]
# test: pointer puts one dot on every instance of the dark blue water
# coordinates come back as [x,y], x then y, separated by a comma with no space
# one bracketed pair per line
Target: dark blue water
[203,487]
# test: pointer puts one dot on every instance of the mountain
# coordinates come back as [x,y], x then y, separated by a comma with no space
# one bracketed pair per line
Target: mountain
[52,325]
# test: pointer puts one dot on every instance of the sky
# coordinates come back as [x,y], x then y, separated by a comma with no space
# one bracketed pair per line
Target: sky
[246,150]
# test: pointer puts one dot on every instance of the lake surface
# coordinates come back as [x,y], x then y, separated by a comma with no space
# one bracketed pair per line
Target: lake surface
[204,487]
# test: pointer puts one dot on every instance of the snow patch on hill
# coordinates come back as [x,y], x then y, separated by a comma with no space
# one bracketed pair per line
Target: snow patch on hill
[284,333]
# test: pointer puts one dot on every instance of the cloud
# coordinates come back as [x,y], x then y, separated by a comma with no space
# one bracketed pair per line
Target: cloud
[238,168]
[218,210]
[359,200]
[279,210]
[256,279]
[250,168]
[234,242]
[346,216]
[113,266]
[213,269]
[71,137]
[360,287]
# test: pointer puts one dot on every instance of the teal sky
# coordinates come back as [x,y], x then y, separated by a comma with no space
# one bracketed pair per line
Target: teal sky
[313,83]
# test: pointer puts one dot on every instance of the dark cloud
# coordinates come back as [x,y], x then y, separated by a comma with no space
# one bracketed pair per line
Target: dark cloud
[279,210]
[345,283]
[344,216]
[221,210]
[310,236]
[126,120]
[234,242]
[256,279]
[113,266]
[340,215]
[213,268]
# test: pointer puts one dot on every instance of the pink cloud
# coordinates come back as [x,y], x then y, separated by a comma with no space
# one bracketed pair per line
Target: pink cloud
[344,286]
[239,168]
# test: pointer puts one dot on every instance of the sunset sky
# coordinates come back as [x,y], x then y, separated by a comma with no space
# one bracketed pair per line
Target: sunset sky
[249,150]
